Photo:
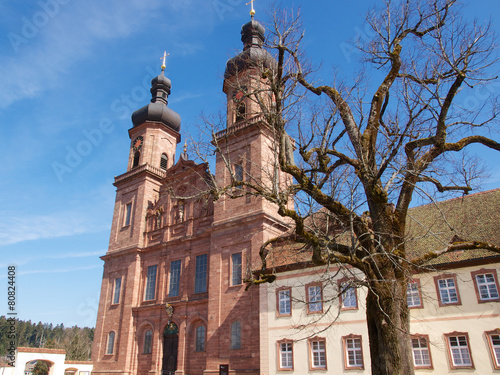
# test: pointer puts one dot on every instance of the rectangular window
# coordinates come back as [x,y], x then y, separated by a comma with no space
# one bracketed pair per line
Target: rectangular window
[318,353]
[111,343]
[284,297]
[349,299]
[200,339]
[116,293]
[413,294]
[150,284]
[353,352]
[494,343]
[236,269]
[447,290]
[486,284]
[238,173]
[314,299]
[458,347]
[421,352]
[175,276]
[200,277]
[128,214]
[285,355]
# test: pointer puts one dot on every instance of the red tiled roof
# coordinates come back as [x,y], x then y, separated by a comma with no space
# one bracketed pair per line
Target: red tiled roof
[41,350]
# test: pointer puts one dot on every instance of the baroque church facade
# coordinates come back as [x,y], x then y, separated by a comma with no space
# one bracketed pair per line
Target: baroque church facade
[173,296]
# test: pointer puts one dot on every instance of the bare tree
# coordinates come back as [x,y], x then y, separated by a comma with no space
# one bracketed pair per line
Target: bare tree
[351,162]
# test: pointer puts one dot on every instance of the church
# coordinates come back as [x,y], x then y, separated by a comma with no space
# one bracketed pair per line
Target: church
[173,296]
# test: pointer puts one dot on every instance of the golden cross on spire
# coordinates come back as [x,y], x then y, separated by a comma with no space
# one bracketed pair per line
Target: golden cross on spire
[165,54]
[252,11]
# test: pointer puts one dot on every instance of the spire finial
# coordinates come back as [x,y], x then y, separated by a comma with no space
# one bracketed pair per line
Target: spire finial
[165,54]
[252,11]
[185,147]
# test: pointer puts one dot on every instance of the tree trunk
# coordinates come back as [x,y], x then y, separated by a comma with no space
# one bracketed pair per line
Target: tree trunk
[387,316]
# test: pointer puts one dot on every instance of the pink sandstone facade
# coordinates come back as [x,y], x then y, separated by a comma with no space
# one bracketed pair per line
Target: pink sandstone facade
[173,296]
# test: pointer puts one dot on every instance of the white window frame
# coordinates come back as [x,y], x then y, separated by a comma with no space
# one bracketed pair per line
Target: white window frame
[413,295]
[447,290]
[285,350]
[421,352]
[314,298]
[486,290]
[284,300]
[494,344]
[459,350]
[317,350]
[353,349]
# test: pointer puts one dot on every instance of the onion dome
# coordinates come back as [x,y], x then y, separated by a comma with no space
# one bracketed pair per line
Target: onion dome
[253,55]
[157,110]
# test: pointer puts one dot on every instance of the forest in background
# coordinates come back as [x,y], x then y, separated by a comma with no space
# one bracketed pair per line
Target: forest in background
[76,341]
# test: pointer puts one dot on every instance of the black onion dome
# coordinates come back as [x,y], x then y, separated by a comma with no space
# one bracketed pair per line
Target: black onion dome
[157,110]
[253,55]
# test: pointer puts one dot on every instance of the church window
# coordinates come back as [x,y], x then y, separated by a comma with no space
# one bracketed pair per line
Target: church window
[236,269]
[150,284]
[175,275]
[240,112]
[137,157]
[236,335]
[116,293]
[128,214]
[238,173]
[111,343]
[200,277]
[200,338]
[148,340]
[164,162]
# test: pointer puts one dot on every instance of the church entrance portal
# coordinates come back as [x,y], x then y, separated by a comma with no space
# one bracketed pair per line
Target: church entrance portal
[170,349]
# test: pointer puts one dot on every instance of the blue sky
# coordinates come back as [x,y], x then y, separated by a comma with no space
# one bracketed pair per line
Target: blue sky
[75,70]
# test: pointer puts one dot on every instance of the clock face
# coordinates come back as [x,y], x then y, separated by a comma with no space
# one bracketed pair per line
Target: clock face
[138,143]
[239,94]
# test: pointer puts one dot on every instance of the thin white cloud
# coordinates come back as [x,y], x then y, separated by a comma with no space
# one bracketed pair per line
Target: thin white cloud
[37,62]
[65,270]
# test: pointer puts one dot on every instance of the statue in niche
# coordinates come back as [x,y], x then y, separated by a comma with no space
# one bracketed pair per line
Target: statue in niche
[180,211]
[158,220]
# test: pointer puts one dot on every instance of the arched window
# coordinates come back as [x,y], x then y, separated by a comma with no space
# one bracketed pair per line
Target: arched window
[137,156]
[240,112]
[164,162]
[236,335]
[148,340]
[200,339]
[111,343]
